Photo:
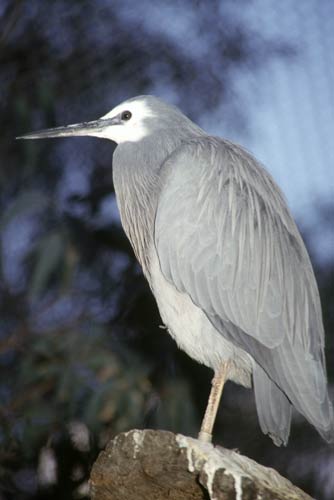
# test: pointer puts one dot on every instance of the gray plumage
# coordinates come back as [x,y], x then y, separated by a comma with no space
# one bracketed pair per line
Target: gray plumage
[225,261]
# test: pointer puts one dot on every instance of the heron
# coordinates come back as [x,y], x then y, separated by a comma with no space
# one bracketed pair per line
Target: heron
[223,257]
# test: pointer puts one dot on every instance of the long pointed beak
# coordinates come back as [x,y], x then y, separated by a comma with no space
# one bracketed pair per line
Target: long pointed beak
[93,128]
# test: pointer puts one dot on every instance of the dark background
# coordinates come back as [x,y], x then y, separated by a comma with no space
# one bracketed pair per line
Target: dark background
[82,356]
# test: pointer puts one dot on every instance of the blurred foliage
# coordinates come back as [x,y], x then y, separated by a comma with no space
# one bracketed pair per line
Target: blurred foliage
[80,346]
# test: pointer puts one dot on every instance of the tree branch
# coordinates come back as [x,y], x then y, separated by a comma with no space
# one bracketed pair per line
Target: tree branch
[156,465]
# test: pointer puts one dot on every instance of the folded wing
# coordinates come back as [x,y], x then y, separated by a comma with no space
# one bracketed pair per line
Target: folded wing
[225,237]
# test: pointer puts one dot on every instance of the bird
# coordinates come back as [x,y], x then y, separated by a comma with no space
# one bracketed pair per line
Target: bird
[223,257]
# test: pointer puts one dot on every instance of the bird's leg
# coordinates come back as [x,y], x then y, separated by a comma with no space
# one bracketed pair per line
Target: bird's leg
[218,382]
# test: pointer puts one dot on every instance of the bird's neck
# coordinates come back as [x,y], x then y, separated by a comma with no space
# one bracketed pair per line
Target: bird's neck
[137,182]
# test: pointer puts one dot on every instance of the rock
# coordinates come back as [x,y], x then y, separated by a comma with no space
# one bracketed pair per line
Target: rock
[159,465]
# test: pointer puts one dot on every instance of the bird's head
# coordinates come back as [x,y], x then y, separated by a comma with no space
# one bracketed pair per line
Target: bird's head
[130,121]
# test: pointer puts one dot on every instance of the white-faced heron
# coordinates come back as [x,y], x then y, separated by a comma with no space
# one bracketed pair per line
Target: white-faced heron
[223,257]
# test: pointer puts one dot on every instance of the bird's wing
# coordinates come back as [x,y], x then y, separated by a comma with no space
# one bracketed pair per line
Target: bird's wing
[225,237]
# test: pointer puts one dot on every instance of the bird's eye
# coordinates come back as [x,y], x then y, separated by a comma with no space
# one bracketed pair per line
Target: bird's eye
[126,115]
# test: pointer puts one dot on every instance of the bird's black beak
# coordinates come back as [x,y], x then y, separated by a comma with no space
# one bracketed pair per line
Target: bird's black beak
[93,128]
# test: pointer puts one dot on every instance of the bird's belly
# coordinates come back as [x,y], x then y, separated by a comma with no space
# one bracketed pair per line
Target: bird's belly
[193,332]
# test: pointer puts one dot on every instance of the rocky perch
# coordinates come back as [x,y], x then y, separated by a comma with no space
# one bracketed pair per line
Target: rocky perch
[146,464]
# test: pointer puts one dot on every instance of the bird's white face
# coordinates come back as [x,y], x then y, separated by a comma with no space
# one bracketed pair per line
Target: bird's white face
[129,123]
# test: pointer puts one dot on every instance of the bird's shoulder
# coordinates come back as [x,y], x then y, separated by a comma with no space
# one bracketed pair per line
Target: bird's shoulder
[213,168]
[219,157]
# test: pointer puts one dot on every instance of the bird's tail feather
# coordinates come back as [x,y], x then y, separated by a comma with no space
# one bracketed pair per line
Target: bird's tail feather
[303,380]
[328,432]
[273,407]
[274,410]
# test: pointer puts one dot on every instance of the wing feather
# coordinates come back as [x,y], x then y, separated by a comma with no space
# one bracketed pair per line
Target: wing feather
[225,237]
